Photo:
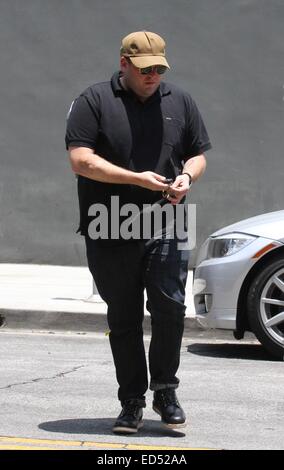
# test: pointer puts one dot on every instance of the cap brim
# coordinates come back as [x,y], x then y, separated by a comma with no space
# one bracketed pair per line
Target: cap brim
[148,61]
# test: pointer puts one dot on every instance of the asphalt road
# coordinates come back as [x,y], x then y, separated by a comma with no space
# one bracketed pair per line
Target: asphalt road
[59,391]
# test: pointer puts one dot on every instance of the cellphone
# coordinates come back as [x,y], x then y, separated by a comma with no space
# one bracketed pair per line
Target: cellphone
[168,181]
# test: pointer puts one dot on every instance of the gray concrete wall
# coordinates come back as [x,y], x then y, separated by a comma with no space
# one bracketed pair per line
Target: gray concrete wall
[227,53]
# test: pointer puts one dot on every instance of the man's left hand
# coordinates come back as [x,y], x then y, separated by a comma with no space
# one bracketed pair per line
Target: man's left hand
[178,189]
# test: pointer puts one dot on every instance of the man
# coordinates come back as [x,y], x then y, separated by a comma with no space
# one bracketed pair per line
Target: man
[142,141]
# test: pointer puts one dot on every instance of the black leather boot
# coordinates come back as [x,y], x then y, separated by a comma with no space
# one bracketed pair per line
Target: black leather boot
[166,404]
[130,418]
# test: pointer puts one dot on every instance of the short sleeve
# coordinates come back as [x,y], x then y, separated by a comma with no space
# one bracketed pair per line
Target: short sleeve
[196,137]
[82,123]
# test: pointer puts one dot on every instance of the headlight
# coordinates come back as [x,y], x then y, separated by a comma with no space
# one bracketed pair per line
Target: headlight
[229,244]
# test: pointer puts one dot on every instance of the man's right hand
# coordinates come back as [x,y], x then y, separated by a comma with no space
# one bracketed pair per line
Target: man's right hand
[87,163]
[151,180]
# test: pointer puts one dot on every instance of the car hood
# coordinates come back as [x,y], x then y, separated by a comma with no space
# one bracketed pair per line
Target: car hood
[270,225]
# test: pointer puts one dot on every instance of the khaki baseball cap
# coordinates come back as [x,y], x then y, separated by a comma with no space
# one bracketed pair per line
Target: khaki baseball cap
[144,49]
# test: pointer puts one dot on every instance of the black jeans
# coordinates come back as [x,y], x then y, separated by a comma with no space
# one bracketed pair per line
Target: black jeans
[121,274]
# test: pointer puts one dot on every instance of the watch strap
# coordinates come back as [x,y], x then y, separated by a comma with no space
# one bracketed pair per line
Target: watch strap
[189,175]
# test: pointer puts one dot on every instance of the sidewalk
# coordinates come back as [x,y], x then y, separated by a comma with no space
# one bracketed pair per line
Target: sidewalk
[51,298]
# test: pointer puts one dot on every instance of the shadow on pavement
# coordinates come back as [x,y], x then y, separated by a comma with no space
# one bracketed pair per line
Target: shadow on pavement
[232,351]
[103,426]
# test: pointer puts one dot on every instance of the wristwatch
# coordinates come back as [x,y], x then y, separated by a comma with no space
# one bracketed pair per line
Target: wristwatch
[190,177]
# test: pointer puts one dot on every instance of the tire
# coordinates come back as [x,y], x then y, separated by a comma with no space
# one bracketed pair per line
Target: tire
[266,318]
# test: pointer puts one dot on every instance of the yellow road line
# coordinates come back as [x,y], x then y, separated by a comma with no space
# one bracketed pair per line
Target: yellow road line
[14,447]
[141,447]
[103,444]
[39,441]
[25,443]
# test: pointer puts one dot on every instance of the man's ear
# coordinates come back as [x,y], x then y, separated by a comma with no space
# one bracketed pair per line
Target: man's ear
[123,64]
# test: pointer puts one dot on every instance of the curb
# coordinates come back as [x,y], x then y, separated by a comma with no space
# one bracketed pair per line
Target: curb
[70,321]
[39,321]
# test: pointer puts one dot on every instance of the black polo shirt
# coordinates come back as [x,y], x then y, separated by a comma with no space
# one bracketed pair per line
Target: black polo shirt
[158,135]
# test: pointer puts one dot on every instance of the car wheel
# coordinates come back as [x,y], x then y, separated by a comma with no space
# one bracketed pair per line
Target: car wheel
[266,307]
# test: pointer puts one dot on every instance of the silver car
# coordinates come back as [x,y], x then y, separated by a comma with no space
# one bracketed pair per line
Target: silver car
[239,280]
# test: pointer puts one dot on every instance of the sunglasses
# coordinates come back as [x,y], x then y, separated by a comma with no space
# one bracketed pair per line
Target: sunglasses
[160,69]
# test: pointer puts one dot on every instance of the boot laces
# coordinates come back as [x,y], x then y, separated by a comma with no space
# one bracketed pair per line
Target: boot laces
[169,397]
[131,407]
